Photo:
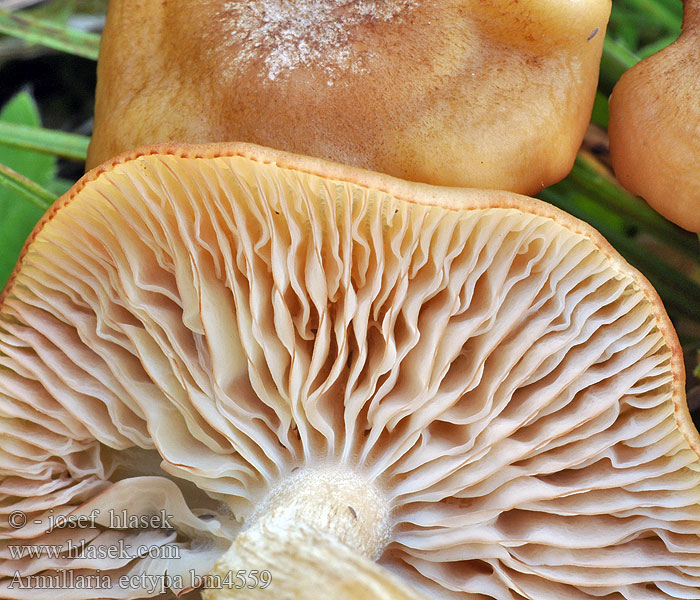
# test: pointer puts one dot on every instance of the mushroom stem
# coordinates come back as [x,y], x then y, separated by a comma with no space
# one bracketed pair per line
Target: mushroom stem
[318,534]
[303,563]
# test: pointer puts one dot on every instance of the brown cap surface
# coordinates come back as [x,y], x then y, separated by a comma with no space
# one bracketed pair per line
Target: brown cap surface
[459,92]
[469,388]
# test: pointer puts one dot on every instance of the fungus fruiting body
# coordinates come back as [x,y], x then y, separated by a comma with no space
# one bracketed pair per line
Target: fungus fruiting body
[655,126]
[469,93]
[335,376]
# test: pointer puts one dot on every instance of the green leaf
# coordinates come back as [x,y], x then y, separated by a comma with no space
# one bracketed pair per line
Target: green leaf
[17,219]
[17,215]
[46,141]
[22,111]
[47,33]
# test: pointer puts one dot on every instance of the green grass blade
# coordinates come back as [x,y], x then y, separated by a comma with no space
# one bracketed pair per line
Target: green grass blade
[46,141]
[26,188]
[37,31]
[615,61]
[601,112]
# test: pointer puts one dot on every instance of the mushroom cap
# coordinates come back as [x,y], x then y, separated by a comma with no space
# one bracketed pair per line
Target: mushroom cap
[655,126]
[191,328]
[463,93]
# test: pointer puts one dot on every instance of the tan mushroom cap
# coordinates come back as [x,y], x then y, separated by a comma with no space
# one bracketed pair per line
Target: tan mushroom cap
[464,393]
[463,93]
[655,126]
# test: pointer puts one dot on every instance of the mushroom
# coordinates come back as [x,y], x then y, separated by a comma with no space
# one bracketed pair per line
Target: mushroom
[460,92]
[239,361]
[655,126]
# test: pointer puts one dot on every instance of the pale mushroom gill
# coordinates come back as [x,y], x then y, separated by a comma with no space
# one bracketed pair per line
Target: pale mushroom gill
[502,379]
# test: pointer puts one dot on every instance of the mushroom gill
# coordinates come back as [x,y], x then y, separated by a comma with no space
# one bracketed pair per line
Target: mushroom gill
[239,347]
